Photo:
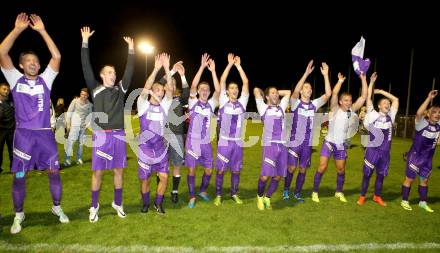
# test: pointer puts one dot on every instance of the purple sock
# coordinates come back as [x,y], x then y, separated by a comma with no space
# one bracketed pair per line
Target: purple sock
[340,182]
[205,182]
[18,193]
[55,188]
[378,185]
[235,181]
[272,187]
[317,181]
[118,196]
[95,198]
[191,186]
[423,193]
[365,183]
[159,199]
[288,180]
[219,183]
[300,178]
[405,192]
[146,198]
[261,187]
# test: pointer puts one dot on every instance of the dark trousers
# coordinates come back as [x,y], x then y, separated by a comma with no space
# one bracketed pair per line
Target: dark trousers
[8,137]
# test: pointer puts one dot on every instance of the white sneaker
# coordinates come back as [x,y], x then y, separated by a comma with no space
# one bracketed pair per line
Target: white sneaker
[80,162]
[119,210]
[56,210]
[16,226]
[93,217]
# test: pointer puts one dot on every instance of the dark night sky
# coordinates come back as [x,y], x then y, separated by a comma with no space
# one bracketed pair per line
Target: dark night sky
[274,40]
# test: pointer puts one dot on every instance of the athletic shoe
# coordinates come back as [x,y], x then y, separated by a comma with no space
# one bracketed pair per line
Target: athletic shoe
[315,197]
[266,201]
[361,200]
[119,210]
[192,203]
[93,217]
[405,205]
[80,162]
[56,210]
[260,203]
[341,196]
[298,197]
[425,206]
[174,197]
[379,200]
[67,163]
[286,195]
[159,209]
[237,199]
[204,196]
[218,200]
[16,226]
[145,208]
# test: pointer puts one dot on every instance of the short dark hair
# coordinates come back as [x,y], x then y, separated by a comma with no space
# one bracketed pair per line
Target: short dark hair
[24,53]
[266,91]
[4,84]
[380,100]
[435,106]
[230,83]
[202,83]
[344,94]
[84,90]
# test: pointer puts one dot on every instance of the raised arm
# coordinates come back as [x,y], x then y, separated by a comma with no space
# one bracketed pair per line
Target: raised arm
[158,63]
[258,93]
[129,66]
[225,74]
[89,76]
[38,25]
[211,67]
[361,100]
[394,99]
[169,89]
[328,88]
[21,23]
[421,111]
[299,85]
[244,79]
[334,103]
[185,88]
[370,90]
[196,80]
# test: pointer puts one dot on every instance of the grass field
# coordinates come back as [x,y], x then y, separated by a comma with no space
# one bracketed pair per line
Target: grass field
[308,227]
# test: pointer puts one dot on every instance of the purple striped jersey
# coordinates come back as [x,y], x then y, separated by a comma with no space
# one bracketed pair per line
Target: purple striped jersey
[380,128]
[425,139]
[273,120]
[200,119]
[231,116]
[31,98]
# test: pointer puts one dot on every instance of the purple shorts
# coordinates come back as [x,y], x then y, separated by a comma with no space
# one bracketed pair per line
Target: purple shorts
[109,150]
[376,159]
[417,164]
[152,159]
[34,148]
[198,154]
[229,154]
[300,156]
[339,151]
[274,160]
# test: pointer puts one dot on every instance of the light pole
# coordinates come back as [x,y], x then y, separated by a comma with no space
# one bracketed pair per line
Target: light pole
[147,49]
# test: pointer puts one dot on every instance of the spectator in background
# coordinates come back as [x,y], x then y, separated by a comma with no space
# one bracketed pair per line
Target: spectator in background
[76,126]
[7,122]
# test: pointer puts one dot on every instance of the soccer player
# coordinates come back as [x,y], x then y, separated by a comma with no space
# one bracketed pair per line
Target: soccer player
[231,117]
[341,111]
[300,146]
[153,112]
[175,127]
[380,127]
[76,126]
[419,158]
[198,142]
[109,149]
[274,158]
[34,141]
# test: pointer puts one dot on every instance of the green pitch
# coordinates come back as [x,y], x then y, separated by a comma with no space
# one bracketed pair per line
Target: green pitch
[329,222]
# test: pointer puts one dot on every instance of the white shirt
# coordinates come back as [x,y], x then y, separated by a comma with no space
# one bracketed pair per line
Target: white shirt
[12,76]
[243,100]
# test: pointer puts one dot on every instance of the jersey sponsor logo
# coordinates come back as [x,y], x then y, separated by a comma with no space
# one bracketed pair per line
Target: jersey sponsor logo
[413,167]
[40,102]
[204,111]
[368,164]
[382,125]
[274,112]
[430,135]
[306,113]
[22,154]
[154,116]
[30,90]
[104,155]
[233,111]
